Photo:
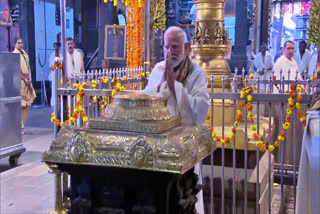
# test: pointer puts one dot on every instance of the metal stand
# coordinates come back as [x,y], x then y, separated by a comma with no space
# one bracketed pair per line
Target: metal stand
[58,190]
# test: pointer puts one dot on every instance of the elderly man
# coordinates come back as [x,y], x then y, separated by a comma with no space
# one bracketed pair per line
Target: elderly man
[182,85]
[263,64]
[302,57]
[74,59]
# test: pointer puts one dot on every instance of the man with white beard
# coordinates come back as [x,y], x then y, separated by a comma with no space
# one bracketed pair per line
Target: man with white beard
[182,85]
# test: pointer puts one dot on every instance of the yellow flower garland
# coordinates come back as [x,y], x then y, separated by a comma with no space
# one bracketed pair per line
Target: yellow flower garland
[246,94]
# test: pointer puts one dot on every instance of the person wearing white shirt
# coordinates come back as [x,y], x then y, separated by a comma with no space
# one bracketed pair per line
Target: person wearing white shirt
[74,61]
[182,85]
[302,57]
[121,18]
[285,64]
[263,64]
[56,53]
[193,14]
[313,64]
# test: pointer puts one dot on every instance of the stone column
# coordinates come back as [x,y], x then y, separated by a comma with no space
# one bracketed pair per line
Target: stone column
[239,52]
[209,41]
[105,18]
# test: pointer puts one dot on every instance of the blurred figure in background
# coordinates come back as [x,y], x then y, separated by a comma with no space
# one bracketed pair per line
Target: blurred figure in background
[121,18]
[302,57]
[313,64]
[192,14]
[27,92]
[280,53]
[263,64]
[55,54]
[74,61]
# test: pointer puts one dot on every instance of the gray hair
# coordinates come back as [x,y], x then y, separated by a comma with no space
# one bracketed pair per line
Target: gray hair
[179,32]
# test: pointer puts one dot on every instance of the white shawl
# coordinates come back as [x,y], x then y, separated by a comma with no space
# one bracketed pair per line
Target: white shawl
[304,62]
[312,64]
[74,66]
[51,77]
[284,64]
[263,64]
[266,63]
[191,102]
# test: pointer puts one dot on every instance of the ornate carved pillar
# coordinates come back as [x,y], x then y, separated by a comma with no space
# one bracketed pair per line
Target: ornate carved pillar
[209,44]
[209,41]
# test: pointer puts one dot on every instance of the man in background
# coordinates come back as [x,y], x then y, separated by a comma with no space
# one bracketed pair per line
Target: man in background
[312,67]
[55,54]
[263,64]
[280,53]
[302,57]
[121,18]
[285,63]
[192,14]
[74,61]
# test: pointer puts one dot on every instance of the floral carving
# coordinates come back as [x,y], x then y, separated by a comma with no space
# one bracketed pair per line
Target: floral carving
[210,35]
[77,148]
[141,153]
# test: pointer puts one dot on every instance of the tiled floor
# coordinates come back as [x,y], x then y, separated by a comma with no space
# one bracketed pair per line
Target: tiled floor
[29,188]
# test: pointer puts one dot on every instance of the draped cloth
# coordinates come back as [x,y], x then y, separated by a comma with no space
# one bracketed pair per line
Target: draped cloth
[27,92]
[74,63]
[308,189]
[285,65]
[184,70]
[303,63]
[51,77]
[263,63]
[191,98]
[313,64]
[190,101]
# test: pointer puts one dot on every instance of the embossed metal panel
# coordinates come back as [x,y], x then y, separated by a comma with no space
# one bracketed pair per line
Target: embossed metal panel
[10,124]
[10,104]
[10,75]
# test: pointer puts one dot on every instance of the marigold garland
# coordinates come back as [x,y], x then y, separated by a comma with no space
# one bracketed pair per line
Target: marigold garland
[135,23]
[293,102]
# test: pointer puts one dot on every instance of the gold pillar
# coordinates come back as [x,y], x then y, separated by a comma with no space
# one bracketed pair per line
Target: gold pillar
[209,45]
[209,41]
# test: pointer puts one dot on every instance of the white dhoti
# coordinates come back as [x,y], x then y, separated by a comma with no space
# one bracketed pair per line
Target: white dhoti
[199,204]
[308,190]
